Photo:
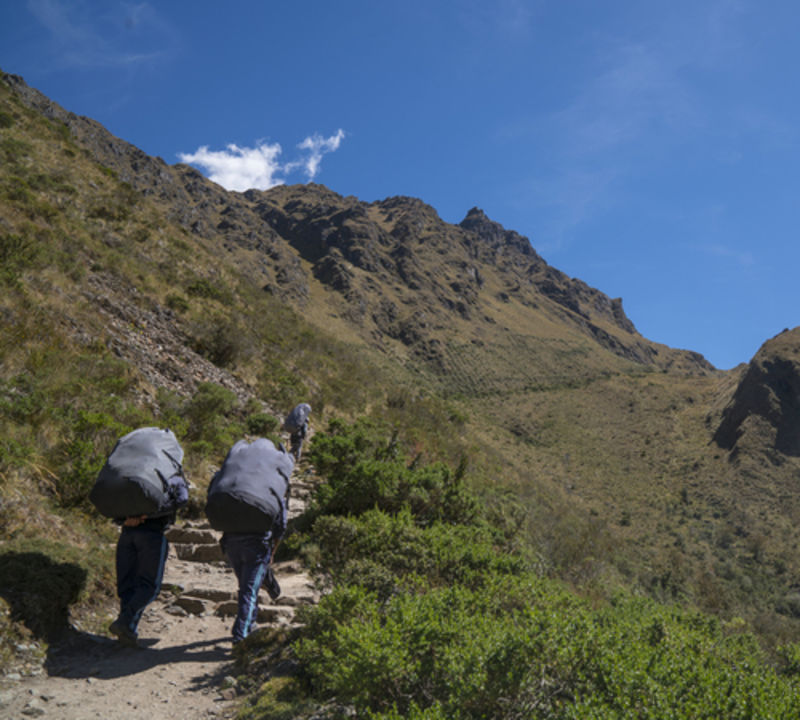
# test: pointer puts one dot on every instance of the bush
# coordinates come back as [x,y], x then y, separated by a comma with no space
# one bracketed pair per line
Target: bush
[442,554]
[212,422]
[522,647]
[220,341]
[262,424]
[430,618]
[17,254]
[85,449]
[365,470]
[203,288]
[178,303]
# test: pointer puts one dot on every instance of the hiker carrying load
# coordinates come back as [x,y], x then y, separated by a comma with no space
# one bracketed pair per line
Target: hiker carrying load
[248,500]
[140,487]
[296,424]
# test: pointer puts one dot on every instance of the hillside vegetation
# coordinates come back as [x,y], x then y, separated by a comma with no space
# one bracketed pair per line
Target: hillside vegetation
[554,475]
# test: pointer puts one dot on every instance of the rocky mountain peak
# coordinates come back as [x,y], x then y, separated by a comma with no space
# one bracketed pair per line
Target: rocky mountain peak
[765,406]
[495,234]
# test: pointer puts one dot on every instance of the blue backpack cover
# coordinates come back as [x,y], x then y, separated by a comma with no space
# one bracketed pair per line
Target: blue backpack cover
[133,480]
[251,488]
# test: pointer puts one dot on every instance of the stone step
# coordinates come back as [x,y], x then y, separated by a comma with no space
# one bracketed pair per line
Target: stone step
[296,589]
[194,605]
[287,567]
[268,614]
[199,553]
[213,594]
[193,536]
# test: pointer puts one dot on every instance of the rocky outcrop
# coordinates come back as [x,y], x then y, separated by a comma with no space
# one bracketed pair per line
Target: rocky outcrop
[766,402]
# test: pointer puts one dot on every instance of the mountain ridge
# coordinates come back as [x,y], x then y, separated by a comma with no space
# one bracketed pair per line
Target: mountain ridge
[340,233]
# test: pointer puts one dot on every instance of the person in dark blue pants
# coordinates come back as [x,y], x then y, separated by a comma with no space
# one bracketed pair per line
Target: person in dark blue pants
[141,556]
[250,556]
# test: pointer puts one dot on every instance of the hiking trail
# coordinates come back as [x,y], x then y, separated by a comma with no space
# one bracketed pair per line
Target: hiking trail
[183,667]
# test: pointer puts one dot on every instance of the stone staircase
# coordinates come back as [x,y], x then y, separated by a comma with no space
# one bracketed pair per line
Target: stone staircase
[197,580]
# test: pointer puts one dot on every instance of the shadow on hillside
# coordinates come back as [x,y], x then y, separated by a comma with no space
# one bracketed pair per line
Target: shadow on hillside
[39,590]
[81,655]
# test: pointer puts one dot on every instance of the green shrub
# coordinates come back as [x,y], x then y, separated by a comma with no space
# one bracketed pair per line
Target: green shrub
[221,341]
[203,288]
[212,422]
[262,424]
[13,150]
[442,553]
[430,617]
[17,254]
[171,410]
[525,648]
[176,302]
[364,470]
[91,439]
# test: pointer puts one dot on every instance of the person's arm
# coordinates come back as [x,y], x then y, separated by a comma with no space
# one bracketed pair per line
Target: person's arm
[178,490]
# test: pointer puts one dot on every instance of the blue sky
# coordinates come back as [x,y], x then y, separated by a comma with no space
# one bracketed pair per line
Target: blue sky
[651,149]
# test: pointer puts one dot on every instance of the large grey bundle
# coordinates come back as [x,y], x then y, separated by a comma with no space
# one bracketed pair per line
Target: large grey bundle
[247,493]
[133,480]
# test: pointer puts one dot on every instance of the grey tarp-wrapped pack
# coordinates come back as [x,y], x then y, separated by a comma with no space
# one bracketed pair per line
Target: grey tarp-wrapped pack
[297,417]
[133,480]
[248,491]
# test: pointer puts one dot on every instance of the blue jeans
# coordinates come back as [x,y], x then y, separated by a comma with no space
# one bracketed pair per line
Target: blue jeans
[249,555]
[141,556]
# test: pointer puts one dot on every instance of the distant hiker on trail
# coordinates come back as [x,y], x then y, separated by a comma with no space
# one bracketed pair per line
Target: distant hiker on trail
[296,423]
[248,500]
[141,486]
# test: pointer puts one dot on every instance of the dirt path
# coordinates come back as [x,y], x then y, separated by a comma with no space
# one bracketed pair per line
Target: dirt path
[183,667]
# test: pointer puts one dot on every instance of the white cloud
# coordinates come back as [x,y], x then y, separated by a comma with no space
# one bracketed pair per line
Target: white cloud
[242,168]
[239,168]
[317,146]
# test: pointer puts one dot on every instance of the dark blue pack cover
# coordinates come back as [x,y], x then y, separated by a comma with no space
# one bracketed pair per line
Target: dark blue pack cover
[133,480]
[245,495]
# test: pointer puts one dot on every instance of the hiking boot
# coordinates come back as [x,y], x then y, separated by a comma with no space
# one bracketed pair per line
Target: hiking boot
[271,584]
[124,634]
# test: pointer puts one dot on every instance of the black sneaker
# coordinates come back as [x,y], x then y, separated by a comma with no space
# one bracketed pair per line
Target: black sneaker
[125,635]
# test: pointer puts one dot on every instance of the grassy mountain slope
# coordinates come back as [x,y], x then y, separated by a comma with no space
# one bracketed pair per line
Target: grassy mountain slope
[137,292]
